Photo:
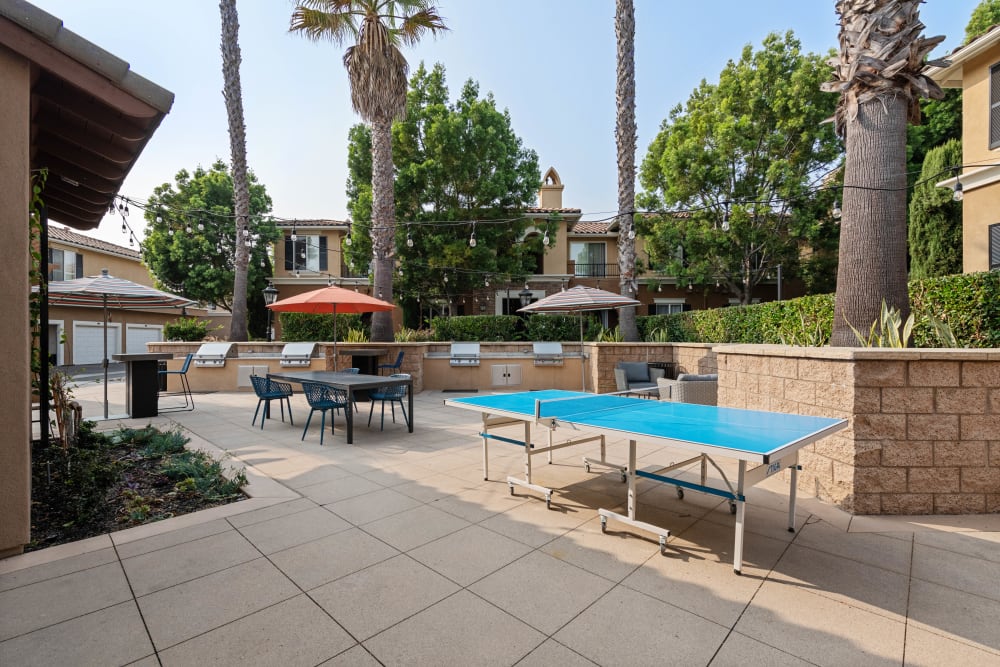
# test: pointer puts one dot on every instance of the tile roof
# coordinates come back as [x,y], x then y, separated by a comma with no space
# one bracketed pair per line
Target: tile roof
[289,224]
[64,235]
[591,227]
[539,209]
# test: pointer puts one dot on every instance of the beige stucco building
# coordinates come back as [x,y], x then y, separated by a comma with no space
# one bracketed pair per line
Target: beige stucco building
[78,112]
[975,68]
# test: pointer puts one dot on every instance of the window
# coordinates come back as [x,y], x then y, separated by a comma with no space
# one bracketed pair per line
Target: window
[65,265]
[589,258]
[669,306]
[995,106]
[995,246]
[307,253]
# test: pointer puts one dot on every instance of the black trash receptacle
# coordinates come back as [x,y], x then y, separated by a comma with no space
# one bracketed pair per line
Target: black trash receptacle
[161,377]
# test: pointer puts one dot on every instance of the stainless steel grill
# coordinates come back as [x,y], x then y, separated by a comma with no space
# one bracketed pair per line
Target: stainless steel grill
[548,354]
[297,354]
[212,354]
[465,354]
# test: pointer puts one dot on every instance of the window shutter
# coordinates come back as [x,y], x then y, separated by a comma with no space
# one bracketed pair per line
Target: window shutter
[994,247]
[322,253]
[79,265]
[995,106]
[289,253]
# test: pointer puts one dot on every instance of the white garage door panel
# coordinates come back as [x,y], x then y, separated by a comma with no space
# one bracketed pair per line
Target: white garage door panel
[87,345]
[136,337]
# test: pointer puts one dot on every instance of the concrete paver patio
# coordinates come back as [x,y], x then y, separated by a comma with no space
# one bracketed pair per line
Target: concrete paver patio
[394,550]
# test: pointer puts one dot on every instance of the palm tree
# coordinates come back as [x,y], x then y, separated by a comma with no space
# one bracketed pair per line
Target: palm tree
[878,76]
[233,93]
[377,72]
[625,135]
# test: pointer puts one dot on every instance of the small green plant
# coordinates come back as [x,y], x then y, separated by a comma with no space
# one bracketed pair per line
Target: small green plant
[198,473]
[188,329]
[658,335]
[356,336]
[136,507]
[888,330]
[611,335]
[805,333]
[407,335]
[943,332]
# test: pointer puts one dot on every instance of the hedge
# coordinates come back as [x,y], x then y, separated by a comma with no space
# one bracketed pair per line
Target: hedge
[969,303]
[310,327]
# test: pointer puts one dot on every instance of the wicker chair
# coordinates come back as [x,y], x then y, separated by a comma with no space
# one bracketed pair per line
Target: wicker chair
[268,390]
[636,376]
[701,389]
[393,394]
[321,397]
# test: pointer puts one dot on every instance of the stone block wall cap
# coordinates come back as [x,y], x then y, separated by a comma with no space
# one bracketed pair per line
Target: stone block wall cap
[863,353]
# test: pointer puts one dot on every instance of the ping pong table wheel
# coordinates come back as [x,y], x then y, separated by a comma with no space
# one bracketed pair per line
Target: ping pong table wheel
[663,545]
[680,492]
[604,524]
[511,487]
[586,466]
[732,507]
[548,501]
[624,477]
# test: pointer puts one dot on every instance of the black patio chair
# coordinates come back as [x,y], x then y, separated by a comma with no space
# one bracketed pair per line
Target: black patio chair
[268,390]
[395,366]
[393,394]
[185,385]
[321,397]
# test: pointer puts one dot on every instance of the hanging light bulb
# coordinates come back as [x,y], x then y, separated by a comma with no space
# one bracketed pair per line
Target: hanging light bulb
[472,240]
[201,226]
[329,281]
[170,232]
[487,281]
[125,210]
[159,219]
[123,228]
[409,240]
[837,212]
[380,294]
[545,239]
[131,241]
[400,272]
[446,278]
[297,274]
[631,234]
[111,207]
[958,194]
[294,236]
[263,264]
[347,240]
[246,231]
[187,228]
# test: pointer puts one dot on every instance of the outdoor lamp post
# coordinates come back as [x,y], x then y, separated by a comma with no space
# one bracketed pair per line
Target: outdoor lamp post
[525,295]
[270,296]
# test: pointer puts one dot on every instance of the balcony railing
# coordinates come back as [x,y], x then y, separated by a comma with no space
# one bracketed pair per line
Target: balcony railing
[593,270]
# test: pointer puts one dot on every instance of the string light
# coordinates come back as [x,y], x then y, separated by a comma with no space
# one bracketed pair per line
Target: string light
[472,238]
[725,216]
[957,194]
[545,239]
[409,240]
[837,213]
[201,226]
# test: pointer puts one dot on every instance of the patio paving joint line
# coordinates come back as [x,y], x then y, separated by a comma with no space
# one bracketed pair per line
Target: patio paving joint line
[135,601]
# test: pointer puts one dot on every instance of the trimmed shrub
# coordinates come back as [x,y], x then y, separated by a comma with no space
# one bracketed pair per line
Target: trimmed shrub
[968,303]
[188,329]
[314,327]
[562,327]
[478,327]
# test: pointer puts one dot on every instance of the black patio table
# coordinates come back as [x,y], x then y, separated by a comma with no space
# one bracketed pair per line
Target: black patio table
[350,383]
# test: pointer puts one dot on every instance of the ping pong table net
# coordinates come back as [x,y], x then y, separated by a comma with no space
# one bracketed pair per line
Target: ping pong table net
[578,408]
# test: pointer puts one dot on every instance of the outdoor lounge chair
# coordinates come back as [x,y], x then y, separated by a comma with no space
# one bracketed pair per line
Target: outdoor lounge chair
[269,390]
[393,394]
[636,376]
[689,388]
[322,397]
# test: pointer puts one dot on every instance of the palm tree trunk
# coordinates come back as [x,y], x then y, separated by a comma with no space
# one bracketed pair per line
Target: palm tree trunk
[383,225]
[233,93]
[873,227]
[625,134]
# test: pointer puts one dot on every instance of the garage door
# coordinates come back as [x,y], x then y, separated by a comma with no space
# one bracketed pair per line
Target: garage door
[137,335]
[87,345]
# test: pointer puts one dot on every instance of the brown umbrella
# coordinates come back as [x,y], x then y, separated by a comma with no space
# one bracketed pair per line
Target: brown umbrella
[331,300]
[579,299]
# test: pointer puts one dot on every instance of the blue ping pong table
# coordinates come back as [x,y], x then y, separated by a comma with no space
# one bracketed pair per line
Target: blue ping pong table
[770,440]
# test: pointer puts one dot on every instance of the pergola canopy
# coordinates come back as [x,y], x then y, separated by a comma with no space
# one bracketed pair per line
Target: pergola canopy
[91,116]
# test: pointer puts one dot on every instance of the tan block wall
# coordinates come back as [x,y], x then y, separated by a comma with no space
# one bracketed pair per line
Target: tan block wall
[924,433]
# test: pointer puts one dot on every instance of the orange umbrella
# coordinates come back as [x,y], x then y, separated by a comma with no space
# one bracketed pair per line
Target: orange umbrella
[331,300]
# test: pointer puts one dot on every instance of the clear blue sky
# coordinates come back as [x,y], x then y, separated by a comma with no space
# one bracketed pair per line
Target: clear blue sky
[550,62]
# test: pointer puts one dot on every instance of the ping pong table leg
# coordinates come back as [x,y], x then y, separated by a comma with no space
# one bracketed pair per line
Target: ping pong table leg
[527,452]
[486,448]
[740,513]
[791,493]
[631,479]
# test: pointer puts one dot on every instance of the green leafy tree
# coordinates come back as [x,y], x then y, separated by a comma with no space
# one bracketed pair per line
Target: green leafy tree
[935,229]
[876,101]
[461,173]
[940,121]
[733,169]
[984,16]
[377,73]
[191,239]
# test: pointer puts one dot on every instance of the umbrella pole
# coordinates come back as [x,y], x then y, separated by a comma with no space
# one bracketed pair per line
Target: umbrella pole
[335,358]
[105,356]
[583,370]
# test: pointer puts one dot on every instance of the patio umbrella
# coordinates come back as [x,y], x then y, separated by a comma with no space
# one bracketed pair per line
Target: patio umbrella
[109,292]
[579,299]
[333,300]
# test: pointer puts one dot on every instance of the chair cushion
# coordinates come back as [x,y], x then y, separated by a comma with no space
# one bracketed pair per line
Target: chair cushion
[635,371]
[693,377]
